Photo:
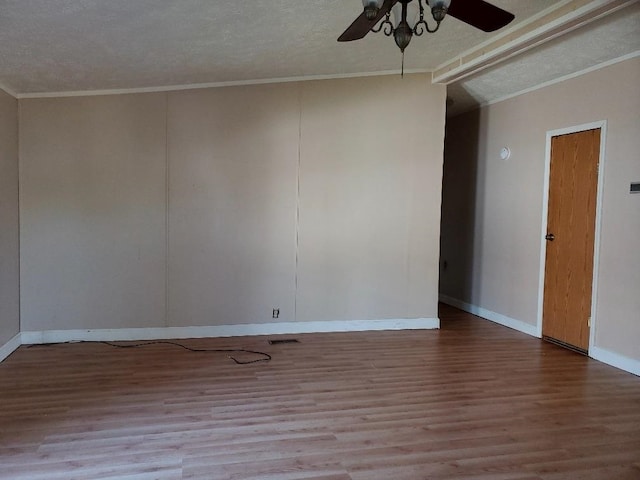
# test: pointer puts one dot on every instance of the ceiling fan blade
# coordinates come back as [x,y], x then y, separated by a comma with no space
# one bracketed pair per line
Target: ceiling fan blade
[361,26]
[480,14]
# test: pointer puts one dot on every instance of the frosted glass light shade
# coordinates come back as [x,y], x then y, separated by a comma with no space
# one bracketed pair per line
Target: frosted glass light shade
[372,3]
[439,9]
[439,3]
[413,13]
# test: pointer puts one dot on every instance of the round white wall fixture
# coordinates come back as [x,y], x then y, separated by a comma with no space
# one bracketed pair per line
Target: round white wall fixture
[505,153]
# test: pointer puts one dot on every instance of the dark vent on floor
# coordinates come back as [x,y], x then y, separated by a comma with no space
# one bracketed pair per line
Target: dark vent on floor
[282,341]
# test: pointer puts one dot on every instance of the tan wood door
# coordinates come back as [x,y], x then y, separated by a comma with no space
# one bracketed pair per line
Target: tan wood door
[570,238]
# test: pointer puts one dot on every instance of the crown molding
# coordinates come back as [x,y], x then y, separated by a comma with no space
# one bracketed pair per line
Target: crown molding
[8,91]
[196,86]
[549,24]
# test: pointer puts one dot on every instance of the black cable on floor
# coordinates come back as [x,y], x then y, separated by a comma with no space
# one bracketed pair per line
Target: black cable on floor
[266,356]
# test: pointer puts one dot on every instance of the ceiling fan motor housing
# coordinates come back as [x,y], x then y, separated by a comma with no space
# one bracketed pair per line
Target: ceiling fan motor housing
[402,35]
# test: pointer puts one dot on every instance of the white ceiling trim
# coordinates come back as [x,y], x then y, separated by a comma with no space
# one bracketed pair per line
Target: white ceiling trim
[543,27]
[556,80]
[195,86]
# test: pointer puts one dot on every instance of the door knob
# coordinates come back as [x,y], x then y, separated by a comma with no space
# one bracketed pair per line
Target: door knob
[550,236]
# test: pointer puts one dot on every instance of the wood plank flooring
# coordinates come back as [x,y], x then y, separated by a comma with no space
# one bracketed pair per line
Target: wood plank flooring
[472,401]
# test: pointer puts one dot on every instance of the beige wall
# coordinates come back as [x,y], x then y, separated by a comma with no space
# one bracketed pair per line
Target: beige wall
[92,200]
[370,187]
[233,169]
[211,207]
[9,223]
[499,267]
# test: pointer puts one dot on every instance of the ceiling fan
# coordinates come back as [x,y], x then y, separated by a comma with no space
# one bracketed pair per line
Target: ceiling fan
[409,18]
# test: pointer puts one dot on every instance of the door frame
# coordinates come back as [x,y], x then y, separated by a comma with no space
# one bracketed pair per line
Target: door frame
[602,125]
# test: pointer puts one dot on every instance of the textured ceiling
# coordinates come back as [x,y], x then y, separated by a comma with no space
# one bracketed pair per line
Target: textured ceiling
[78,45]
[612,37]
[57,46]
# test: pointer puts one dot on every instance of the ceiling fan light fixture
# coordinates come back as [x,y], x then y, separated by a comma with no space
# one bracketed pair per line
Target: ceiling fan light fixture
[439,9]
[372,8]
[405,16]
[409,18]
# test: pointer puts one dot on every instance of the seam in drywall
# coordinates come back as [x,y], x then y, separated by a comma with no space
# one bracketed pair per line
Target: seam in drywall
[19,160]
[408,237]
[198,86]
[297,233]
[166,208]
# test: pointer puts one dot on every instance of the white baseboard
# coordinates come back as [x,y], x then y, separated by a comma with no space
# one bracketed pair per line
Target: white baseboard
[615,360]
[602,355]
[493,316]
[57,336]
[11,346]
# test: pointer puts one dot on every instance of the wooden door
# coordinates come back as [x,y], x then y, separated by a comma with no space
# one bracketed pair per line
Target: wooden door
[570,238]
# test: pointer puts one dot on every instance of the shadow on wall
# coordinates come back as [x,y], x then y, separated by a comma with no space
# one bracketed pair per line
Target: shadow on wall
[459,187]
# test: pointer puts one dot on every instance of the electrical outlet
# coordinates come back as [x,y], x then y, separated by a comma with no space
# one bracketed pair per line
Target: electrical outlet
[275,313]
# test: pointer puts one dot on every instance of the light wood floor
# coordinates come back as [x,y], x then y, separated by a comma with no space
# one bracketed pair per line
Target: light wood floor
[472,401]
